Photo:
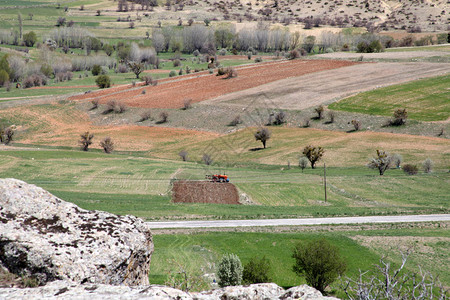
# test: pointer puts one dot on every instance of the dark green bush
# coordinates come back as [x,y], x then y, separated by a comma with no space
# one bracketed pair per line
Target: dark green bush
[257,271]
[103,81]
[410,169]
[96,70]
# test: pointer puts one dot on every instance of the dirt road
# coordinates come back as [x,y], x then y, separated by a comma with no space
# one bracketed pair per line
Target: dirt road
[299,222]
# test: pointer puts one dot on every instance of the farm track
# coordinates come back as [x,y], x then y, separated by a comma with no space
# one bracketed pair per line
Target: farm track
[299,222]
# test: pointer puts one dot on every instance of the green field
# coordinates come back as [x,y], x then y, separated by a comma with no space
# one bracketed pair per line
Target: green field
[132,184]
[424,100]
[203,250]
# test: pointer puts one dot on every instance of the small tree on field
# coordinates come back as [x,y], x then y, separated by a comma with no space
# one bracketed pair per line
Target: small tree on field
[262,134]
[145,116]
[184,155]
[381,162]
[96,69]
[313,154]
[319,262]
[107,145]
[356,124]
[428,165]
[257,271]
[136,67]
[237,120]
[30,39]
[229,271]
[207,159]
[280,118]
[303,163]
[187,103]
[319,110]
[85,140]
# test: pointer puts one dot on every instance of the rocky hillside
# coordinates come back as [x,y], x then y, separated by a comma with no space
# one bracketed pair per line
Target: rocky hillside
[413,15]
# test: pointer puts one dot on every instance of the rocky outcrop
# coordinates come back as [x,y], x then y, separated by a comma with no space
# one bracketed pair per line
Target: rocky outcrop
[44,237]
[64,290]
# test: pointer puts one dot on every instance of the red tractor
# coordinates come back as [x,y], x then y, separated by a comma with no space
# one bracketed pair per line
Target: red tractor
[218,178]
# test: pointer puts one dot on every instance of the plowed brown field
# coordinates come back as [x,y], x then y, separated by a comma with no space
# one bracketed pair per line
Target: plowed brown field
[202,86]
[185,191]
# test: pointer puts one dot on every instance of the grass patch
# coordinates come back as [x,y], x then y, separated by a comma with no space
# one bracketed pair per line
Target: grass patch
[425,100]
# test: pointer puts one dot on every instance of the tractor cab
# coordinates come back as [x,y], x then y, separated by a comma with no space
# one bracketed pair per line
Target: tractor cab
[218,178]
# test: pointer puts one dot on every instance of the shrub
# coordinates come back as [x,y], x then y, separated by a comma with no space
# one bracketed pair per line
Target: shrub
[381,162]
[172,73]
[47,70]
[280,118]
[122,68]
[229,271]
[313,154]
[306,122]
[427,165]
[6,135]
[293,54]
[103,81]
[187,103]
[303,163]
[184,155]
[410,169]
[263,135]
[107,145]
[85,140]
[319,262]
[148,80]
[397,160]
[400,116]
[4,77]
[319,110]
[331,116]
[221,71]
[223,52]
[230,73]
[237,120]
[120,108]
[110,107]
[96,70]
[94,104]
[207,159]
[256,271]
[30,39]
[356,124]
[258,60]
[176,63]
[163,117]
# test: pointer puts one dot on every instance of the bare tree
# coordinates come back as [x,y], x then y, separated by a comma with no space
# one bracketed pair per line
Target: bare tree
[356,124]
[145,116]
[397,160]
[136,67]
[381,162]
[428,165]
[184,155]
[164,117]
[107,145]
[187,103]
[207,159]
[6,135]
[313,154]
[85,140]
[262,134]
[319,110]
[94,103]
[387,282]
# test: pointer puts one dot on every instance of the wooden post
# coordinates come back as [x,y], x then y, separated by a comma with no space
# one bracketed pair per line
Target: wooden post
[325,180]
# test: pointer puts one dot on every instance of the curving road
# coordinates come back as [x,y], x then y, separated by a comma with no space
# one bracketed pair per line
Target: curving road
[299,222]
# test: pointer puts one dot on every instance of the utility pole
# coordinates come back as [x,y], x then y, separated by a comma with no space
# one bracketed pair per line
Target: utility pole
[325,180]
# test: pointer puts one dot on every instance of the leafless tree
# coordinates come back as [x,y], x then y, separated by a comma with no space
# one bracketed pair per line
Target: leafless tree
[381,162]
[164,117]
[387,282]
[207,159]
[85,140]
[263,135]
[184,155]
[107,145]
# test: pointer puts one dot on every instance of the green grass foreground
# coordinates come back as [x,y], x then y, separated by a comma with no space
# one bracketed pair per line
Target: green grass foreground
[424,100]
[201,251]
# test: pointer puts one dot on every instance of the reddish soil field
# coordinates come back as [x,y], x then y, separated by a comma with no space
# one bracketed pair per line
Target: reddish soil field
[172,92]
[185,191]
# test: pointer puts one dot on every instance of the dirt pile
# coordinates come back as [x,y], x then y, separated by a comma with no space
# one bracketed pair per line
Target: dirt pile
[187,191]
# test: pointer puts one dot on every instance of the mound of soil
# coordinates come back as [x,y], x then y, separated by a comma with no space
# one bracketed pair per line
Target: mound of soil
[187,191]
